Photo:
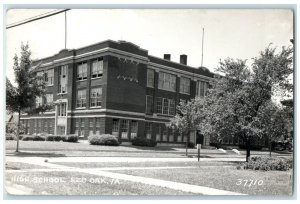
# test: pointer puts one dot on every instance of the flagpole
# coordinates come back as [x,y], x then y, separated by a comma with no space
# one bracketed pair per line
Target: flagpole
[202,46]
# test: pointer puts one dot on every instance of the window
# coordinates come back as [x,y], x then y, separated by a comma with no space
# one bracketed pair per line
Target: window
[98,126]
[38,102]
[45,126]
[91,126]
[40,77]
[159,105]
[82,71]
[179,137]
[165,134]
[171,135]
[124,129]
[62,109]
[149,104]
[62,82]
[82,125]
[148,130]
[158,133]
[49,99]
[77,128]
[167,81]
[97,68]
[81,99]
[165,106]
[115,127]
[51,126]
[171,107]
[49,77]
[150,78]
[96,97]
[133,129]
[201,88]
[184,85]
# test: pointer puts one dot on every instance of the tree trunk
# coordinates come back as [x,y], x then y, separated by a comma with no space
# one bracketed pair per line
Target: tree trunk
[248,149]
[270,148]
[186,144]
[18,130]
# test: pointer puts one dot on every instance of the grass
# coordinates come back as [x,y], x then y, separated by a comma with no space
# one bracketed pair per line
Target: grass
[142,164]
[93,185]
[225,178]
[61,149]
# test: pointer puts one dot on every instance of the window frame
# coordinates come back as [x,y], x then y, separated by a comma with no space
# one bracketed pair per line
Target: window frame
[98,73]
[185,85]
[80,74]
[150,81]
[96,101]
[81,99]
[167,81]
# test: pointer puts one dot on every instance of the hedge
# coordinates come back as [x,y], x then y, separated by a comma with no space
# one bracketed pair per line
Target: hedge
[105,139]
[267,164]
[10,137]
[141,141]
[69,138]
[33,138]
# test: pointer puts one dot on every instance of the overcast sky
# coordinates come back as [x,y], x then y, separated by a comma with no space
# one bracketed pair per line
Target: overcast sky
[228,33]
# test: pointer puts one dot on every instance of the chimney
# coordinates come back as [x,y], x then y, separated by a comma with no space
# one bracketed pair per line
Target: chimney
[183,59]
[167,56]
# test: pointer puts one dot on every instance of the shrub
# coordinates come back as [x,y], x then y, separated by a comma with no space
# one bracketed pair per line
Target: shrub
[33,138]
[215,144]
[252,147]
[105,139]
[70,138]
[141,141]
[267,164]
[10,137]
[56,138]
[191,145]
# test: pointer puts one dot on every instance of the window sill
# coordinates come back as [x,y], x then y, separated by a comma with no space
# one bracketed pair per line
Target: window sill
[62,93]
[185,93]
[49,85]
[167,90]
[150,86]
[96,77]
[82,80]
[80,108]
[95,107]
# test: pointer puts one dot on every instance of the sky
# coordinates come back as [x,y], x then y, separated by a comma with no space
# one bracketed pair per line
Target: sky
[240,33]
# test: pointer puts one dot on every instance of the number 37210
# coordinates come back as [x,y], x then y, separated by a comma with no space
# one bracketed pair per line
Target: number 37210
[249,182]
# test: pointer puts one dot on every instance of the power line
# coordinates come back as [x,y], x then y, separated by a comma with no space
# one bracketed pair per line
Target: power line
[35,18]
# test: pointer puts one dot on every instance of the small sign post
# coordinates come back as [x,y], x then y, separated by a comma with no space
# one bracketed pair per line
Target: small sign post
[198,148]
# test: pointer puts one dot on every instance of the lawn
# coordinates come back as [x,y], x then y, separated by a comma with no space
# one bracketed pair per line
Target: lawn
[225,178]
[62,149]
[72,183]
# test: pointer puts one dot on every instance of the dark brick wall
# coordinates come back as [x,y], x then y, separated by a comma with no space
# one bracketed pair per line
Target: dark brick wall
[128,94]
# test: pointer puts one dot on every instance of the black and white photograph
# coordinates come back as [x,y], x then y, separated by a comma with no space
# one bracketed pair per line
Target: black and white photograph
[192,102]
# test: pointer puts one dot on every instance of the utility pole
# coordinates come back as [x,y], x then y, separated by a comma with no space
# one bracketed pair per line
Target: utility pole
[202,46]
[65,29]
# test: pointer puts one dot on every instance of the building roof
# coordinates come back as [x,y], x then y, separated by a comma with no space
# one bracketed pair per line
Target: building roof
[123,46]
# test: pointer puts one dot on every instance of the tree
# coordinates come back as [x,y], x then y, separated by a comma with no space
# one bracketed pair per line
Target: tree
[187,117]
[233,103]
[29,85]
[273,121]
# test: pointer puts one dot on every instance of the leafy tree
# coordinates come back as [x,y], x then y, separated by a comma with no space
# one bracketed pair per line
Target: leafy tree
[187,117]
[233,103]
[21,97]
[273,119]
